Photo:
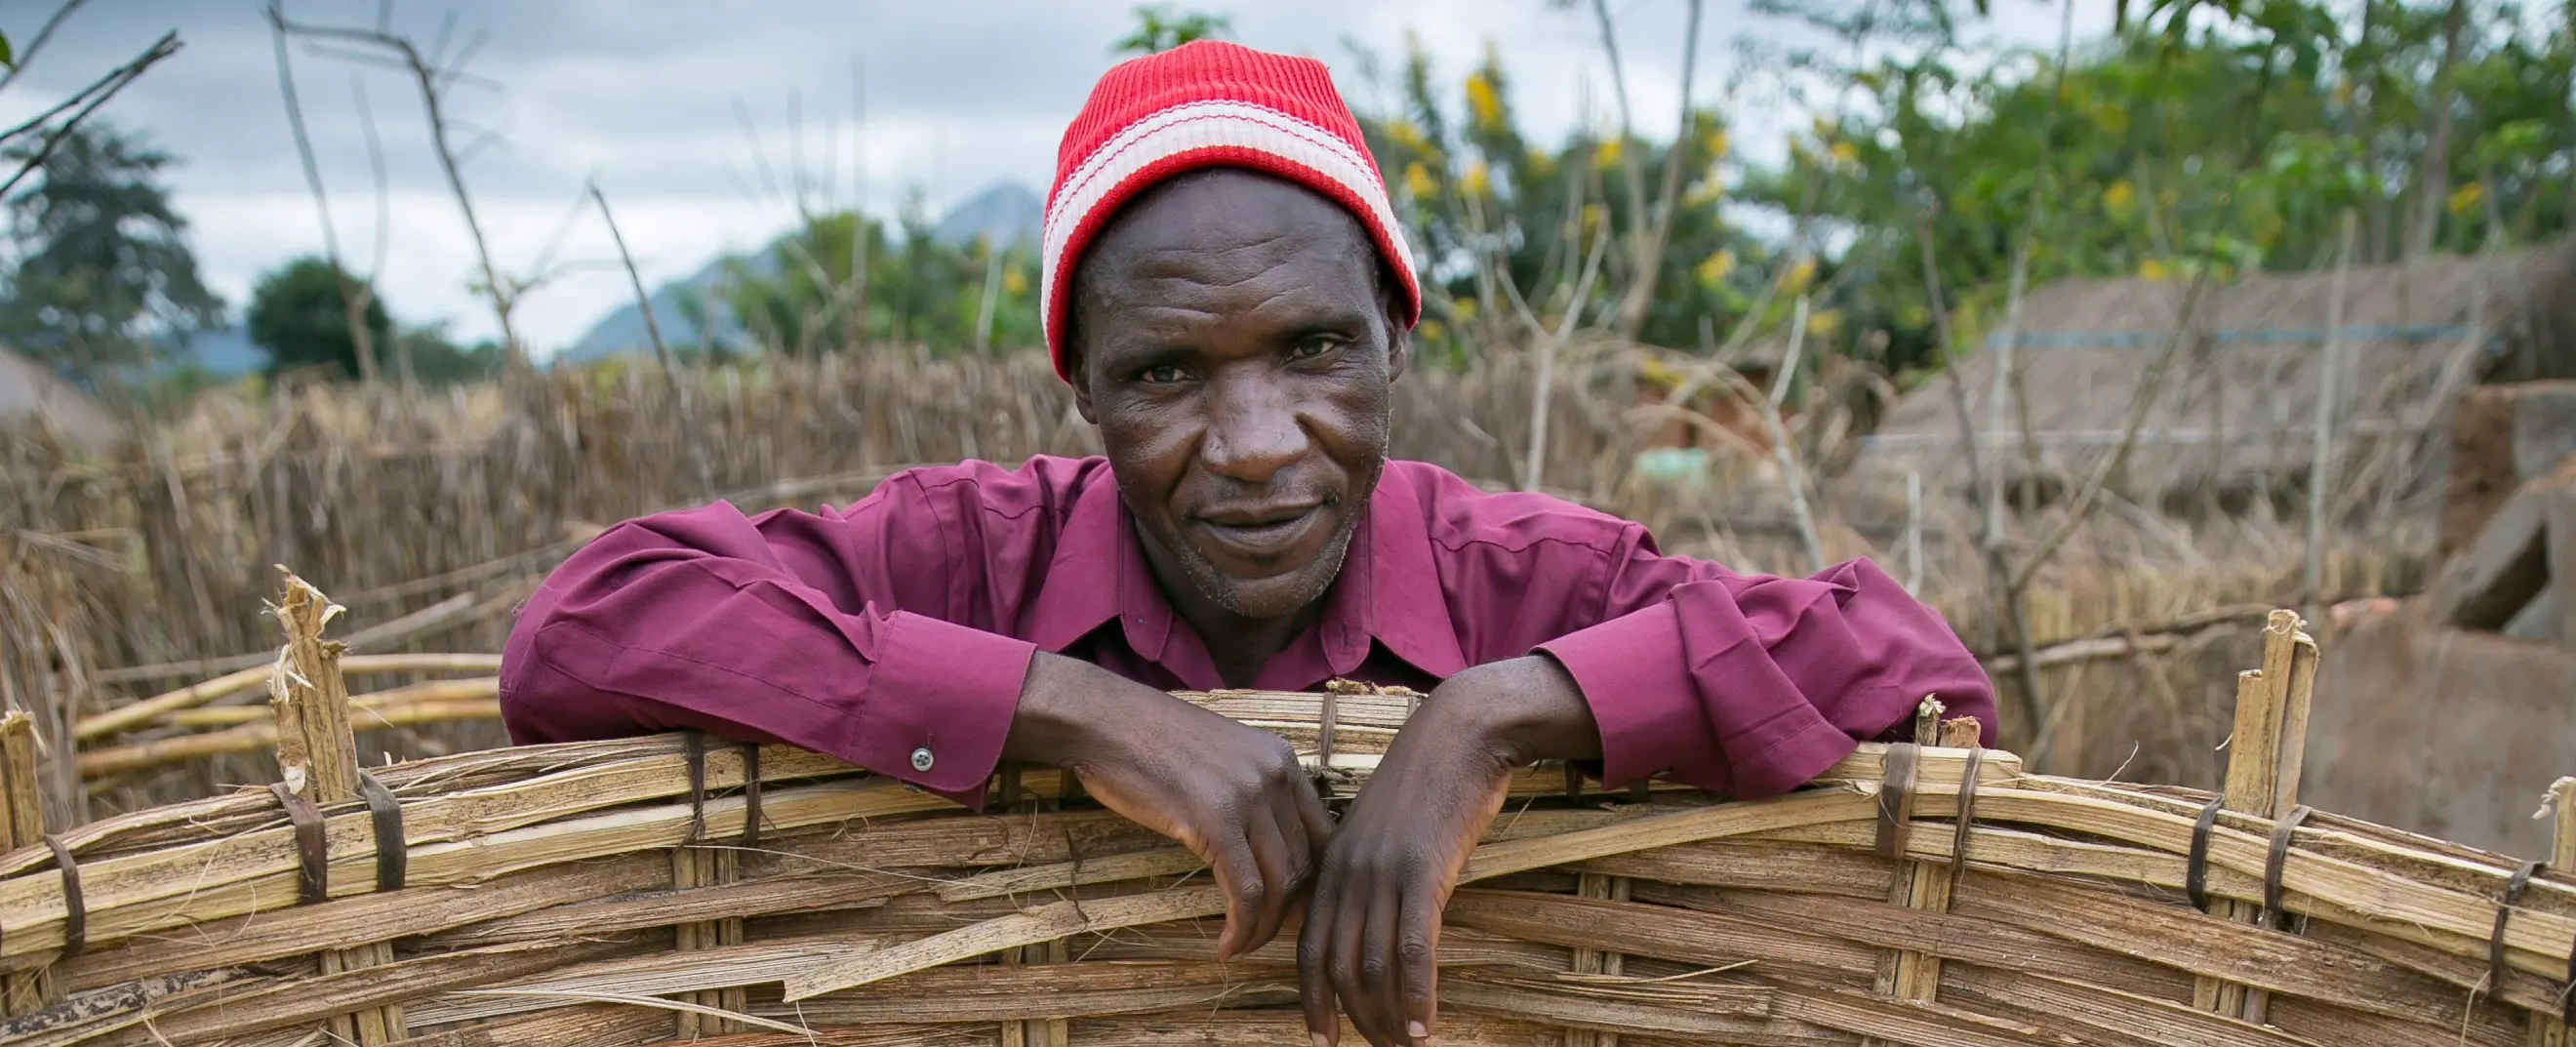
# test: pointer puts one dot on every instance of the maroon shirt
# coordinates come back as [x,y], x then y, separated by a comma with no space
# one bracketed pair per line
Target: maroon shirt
[898,633]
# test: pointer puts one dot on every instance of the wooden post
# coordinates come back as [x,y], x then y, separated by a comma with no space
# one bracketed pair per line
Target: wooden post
[706,867]
[2547,1030]
[1905,974]
[317,756]
[22,824]
[2265,757]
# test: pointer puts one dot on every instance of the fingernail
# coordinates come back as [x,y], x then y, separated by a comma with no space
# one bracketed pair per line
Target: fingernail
[1322,1040]
[1418,1031]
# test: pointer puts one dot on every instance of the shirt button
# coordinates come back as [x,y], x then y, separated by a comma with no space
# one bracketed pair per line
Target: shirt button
[921,759]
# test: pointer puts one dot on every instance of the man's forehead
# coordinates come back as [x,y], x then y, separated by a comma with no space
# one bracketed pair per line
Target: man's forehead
[1230,209]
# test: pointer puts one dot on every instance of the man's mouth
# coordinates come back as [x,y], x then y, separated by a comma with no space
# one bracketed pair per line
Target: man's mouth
[1262,528]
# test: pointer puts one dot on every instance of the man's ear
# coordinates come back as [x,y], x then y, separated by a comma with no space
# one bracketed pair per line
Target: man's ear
[1076,374]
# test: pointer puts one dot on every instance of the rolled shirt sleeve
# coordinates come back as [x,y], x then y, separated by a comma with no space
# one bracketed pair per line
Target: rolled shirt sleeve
[1754,685]
[826,631]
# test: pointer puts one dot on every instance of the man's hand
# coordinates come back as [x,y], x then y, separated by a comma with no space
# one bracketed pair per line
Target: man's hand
[1373,927]
[1234,795]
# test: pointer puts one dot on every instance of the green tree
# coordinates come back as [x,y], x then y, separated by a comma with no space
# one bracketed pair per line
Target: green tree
[841,282]
[298,315]
[1159,28]
[436,360]
[103,273]
[1500,224]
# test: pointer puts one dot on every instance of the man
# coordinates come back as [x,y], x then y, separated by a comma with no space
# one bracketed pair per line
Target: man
[1228,295]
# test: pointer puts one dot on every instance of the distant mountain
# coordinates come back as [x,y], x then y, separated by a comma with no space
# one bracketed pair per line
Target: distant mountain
[622,330]
[225,352]
[1004,212]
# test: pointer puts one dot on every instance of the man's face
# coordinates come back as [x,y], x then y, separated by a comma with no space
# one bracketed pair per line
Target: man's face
[1235,348]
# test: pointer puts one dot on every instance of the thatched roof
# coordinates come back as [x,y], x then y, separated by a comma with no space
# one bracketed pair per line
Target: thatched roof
[29,392]
[2238,402]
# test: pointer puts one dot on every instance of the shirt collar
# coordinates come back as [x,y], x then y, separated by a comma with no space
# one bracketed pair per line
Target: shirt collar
[1389,588]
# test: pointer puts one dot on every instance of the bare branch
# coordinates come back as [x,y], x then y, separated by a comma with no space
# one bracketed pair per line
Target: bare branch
[1545,377]
[1650,248]
[759,155]
[354,299]
[97,95]
[28,53]
[376,166]
[643,299]
[427,78]
[1630,172]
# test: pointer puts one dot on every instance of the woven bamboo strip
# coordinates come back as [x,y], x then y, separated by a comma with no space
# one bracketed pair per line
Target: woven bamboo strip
[317,755]
[22,824]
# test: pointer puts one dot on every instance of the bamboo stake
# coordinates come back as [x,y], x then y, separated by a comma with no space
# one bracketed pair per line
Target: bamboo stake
[2549,1030]
[2264,758]
[317,755]
[22,824]
[1913,974]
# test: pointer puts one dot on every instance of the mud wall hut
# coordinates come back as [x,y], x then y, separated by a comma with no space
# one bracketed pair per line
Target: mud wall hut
[2232,419]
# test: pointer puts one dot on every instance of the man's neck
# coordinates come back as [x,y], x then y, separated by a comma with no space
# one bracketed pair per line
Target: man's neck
[1239,645]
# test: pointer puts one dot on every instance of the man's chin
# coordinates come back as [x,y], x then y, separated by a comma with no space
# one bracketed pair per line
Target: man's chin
[1278,592]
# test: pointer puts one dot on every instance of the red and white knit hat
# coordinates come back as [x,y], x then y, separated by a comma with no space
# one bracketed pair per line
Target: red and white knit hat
[1207,104]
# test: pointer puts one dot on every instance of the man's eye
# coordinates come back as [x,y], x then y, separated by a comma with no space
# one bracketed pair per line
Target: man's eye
[1313,347]
[1161,374]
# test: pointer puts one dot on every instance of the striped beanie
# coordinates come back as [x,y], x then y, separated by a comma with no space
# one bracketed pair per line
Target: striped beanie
[1206,104]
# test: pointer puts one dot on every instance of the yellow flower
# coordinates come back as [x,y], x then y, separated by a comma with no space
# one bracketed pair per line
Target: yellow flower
[2155,270]
[2468,198]
[1466,310]
[1608,154]
[1716,268]
[1592,216]
[1716,144]
[1417,180]
[1406,135]
[1845,153]
[2120,197]
[1478,181]
[1431,331]
[1014,282]
[1482,101]
[1799,276]
[1824,323]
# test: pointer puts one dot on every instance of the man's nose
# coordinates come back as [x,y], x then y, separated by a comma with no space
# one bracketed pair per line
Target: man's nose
[1254,434]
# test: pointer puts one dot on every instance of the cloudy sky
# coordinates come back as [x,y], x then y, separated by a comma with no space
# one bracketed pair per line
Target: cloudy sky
[645,96]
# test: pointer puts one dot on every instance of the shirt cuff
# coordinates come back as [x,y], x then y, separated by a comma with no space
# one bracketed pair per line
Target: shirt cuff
[939,704]
[1631,672]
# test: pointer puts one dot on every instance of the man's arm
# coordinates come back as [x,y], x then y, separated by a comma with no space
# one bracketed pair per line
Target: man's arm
[1754,685]
[832,632]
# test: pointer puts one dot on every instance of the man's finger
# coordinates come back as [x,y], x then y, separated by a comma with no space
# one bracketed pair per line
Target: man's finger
[1381,989]
[1240,878]
[1418,948]
[1350,918]
[1281,869]
[1314,981]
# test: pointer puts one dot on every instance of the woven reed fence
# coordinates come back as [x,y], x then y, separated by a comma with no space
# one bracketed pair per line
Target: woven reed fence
[670,888]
